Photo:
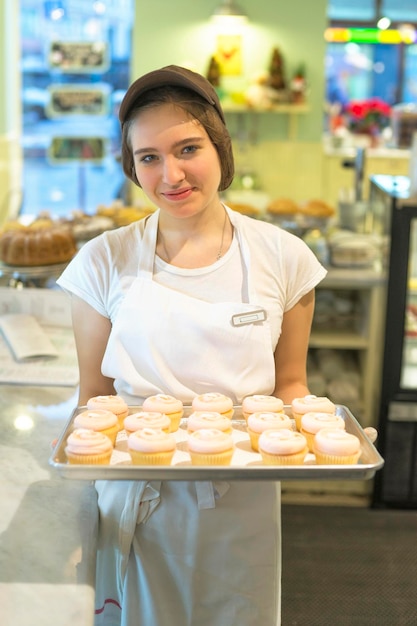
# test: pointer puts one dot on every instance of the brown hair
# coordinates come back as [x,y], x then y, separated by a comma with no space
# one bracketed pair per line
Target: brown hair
[199,109]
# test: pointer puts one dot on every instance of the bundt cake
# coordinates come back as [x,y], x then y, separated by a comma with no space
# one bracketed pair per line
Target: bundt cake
[31,246]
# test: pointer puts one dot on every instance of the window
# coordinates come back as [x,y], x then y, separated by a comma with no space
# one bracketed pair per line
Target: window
[75,69]
[351,10]
[400,10]
[363,61]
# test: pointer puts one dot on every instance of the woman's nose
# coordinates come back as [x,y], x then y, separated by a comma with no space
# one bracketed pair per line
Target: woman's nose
[173,172]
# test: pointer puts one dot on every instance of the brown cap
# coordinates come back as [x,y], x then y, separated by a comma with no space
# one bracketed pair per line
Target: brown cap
[169,75]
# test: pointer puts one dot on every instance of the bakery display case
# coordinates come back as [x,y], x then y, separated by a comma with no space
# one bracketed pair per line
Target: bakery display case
[397,416]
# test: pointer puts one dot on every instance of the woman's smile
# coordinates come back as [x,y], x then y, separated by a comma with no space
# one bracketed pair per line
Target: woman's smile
[178,195]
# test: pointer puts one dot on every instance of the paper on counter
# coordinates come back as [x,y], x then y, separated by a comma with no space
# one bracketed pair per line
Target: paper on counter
[60,370]
[26,337]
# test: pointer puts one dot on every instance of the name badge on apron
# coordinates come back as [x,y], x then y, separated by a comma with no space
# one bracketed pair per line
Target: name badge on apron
[250,317]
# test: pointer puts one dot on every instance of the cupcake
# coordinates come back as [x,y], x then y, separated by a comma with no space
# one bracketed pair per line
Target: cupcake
[312,422]
[101,420]
[208,419]
[88,447]
[214,401]
[146,419]
[263,420]
[257,403]
[170,406]
[209,446]
[115,404]
[299,406]
[150,446]
[282,447]
[333,446]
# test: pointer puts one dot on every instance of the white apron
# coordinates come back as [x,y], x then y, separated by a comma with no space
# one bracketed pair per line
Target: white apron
[187,553]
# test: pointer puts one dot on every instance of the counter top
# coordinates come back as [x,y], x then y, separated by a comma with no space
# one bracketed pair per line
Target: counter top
[354,278]
[47,524]
[349,150]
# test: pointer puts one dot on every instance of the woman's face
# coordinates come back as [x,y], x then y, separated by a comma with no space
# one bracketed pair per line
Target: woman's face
[175,161]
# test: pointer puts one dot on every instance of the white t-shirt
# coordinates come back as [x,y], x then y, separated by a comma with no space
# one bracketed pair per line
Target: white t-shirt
[282,270]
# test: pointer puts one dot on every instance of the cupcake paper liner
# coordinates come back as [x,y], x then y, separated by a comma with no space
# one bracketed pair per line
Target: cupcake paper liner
[331,459]
[151,458]
[88,459]
[288,459]
[218,458]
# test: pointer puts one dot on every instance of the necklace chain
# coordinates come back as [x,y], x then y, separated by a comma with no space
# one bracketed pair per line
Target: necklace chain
[219,253]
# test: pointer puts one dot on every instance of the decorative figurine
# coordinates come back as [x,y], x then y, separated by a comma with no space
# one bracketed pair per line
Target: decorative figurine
[213,72]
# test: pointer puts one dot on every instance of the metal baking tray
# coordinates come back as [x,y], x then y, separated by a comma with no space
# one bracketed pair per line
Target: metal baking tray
[246,464]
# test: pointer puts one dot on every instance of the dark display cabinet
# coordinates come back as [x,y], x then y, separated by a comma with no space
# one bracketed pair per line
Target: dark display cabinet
[396,483]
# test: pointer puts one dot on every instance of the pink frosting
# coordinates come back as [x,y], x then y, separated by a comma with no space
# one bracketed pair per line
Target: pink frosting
[86,441]
[115,404]
[146,419]
[207,419]
[336,442]
[209,440]
[263,420]
[282,441]
[212,401]
[312,403]
[162,403]
[256,403]
[151,440]
[314,421]
[95,419]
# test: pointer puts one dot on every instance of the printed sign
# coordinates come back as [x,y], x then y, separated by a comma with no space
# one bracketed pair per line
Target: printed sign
[77,100]
[66,149]
[84,56]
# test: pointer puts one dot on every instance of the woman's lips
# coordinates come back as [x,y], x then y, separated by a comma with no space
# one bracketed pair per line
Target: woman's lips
[178,194]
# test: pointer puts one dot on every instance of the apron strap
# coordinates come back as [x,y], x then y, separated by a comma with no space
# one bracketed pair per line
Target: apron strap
[208,492]
[142,498]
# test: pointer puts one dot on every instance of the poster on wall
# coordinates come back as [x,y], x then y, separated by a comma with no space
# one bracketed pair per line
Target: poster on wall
[79,56]
[229,54]
[77,100]
[69,149]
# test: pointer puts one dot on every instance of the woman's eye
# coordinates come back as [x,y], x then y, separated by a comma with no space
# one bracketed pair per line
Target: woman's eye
[147,158]
[190,149]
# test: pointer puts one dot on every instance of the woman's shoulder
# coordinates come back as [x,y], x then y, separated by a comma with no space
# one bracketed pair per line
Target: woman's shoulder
[114,242]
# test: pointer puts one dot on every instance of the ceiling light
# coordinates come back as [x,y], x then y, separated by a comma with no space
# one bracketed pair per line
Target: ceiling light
[229,8]
[384,23]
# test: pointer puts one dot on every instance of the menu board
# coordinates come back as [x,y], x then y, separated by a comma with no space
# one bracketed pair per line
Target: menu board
[66,149]
[79,56]
[77,100]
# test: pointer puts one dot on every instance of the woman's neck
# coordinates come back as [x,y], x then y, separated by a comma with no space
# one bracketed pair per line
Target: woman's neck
[194,242]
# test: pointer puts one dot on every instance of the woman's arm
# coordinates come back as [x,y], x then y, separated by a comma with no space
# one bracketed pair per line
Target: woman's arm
[91,331]
[291,351]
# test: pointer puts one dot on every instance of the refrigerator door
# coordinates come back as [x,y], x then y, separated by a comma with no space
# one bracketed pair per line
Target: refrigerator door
[408,378]
[396,485]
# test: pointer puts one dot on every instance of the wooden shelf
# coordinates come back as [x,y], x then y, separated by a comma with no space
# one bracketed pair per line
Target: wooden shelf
[367,340]
[338,341]
[276,108]
[291,110]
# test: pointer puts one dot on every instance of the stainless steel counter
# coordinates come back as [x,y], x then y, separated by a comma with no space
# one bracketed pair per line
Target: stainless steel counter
[47,524]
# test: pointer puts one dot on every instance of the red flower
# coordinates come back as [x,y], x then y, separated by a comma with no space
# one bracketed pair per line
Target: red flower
[368,116]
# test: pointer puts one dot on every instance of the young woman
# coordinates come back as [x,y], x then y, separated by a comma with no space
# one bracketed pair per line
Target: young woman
[152,308]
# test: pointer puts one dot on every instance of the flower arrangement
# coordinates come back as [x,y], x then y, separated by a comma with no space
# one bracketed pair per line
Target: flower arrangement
[368,117]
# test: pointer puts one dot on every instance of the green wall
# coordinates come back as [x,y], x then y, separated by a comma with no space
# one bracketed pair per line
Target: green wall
[181,32]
